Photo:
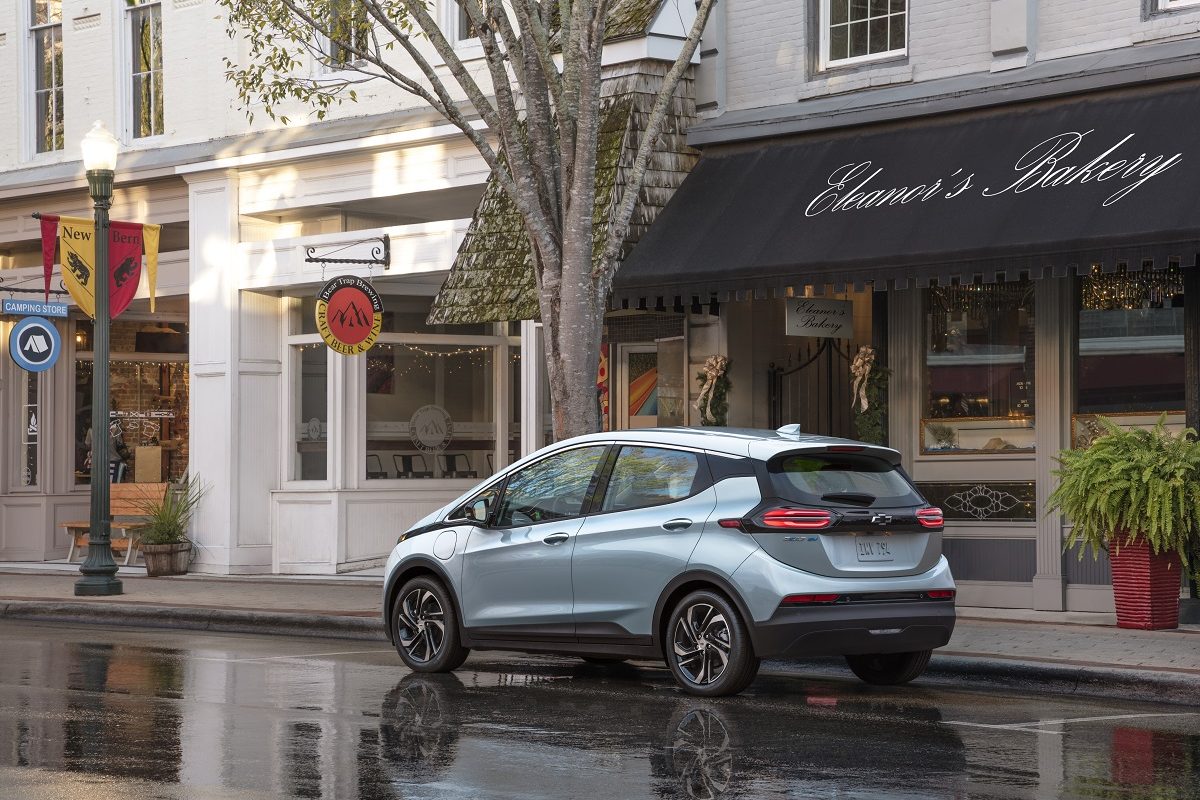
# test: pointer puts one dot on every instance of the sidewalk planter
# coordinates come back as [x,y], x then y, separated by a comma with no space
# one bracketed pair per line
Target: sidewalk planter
[1136,495]
[1145,586]
[167,559]
[165,545]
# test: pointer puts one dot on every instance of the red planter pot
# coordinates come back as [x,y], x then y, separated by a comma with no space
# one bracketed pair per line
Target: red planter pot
[1145,587]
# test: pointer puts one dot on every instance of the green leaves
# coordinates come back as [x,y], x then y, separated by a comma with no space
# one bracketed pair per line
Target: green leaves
[1132,484]
[167,519]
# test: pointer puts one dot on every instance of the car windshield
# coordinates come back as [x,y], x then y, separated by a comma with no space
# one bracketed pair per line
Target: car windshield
[845,479]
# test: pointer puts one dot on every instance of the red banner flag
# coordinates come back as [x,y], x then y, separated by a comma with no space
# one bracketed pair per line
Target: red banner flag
[49,242]
[125,265]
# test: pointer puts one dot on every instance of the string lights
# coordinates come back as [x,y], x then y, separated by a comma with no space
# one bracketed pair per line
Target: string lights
[1130,290]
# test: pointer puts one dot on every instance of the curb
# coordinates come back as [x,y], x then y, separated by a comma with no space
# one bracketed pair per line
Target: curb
[959,672]
[277,623]
[992,674]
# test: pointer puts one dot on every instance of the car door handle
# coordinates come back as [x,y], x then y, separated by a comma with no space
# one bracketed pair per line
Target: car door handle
[556,538]
[677,524]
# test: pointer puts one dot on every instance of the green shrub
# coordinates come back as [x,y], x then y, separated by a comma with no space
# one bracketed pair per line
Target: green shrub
[1132,484]
[167,519]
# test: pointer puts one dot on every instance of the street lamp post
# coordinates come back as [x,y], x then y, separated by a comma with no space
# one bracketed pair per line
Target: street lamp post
[99,570]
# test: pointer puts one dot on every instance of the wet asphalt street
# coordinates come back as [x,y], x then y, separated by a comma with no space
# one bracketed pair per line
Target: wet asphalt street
[108,713]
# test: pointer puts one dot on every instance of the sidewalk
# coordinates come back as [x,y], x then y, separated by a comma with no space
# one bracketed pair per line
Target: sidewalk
[1071,653]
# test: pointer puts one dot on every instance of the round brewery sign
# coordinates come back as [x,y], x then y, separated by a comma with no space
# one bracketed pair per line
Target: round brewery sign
[349,314]
[34,344]
[431,429]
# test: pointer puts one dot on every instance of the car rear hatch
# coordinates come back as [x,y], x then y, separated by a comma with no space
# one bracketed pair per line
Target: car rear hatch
[845,511]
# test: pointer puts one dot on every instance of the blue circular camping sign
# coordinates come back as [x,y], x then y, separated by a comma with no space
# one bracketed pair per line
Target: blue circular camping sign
[34,344]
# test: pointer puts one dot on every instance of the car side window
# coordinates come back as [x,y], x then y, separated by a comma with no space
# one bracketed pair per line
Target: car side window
[650,476]
[553,488]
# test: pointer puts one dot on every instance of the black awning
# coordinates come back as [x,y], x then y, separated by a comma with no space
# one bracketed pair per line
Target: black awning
[1038,189]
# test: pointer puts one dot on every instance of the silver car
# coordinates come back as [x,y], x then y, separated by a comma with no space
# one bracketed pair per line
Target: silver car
[710,548]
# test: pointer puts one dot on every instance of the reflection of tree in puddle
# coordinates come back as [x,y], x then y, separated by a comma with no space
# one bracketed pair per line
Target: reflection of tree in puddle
[1146,765]
[417,729]
[700,754]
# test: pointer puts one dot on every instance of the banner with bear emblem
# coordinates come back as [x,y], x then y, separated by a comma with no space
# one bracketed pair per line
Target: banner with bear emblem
[77,252]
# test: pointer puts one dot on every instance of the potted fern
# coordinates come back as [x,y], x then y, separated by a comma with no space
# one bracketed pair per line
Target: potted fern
[1136,495]
[165,545]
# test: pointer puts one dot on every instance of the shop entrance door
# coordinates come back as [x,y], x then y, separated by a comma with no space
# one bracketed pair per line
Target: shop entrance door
[649,387]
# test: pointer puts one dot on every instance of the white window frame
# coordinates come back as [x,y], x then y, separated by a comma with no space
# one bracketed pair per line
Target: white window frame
[1173,5]
[334,68]
[30,59]
[501,346]
[823,23]
[293,352]
[125,68]
[453,17]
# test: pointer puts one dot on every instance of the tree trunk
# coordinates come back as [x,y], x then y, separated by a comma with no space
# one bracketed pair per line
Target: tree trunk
[572,334]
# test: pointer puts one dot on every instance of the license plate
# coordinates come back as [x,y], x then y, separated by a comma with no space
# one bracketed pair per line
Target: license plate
[873,548]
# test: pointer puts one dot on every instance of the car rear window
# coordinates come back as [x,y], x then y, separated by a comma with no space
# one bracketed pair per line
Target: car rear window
[841,479]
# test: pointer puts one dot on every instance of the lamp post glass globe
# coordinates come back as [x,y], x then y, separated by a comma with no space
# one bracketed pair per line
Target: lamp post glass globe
[99,149]
[99,570]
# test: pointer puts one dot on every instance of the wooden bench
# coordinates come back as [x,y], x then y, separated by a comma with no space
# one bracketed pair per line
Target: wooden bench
[126,501]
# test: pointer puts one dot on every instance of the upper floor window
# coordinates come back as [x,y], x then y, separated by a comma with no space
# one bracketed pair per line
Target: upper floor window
[853,31]
[46,31]
[145,28]
[1169,5]
[464,30]
[350,29]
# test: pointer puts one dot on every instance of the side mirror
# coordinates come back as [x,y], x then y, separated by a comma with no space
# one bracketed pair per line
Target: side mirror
[478,511]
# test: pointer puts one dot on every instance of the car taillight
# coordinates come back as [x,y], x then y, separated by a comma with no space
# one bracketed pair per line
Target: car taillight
[730,523]
[940,594]
[809,599]
[930,517]
[796,519]
[844,448]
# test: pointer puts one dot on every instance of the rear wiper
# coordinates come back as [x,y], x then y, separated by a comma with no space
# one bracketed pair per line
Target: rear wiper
[854,498]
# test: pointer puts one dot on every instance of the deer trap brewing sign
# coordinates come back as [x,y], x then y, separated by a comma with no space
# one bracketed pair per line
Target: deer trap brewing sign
[349,314]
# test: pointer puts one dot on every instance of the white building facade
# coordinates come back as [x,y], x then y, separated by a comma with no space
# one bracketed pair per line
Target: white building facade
[310,458]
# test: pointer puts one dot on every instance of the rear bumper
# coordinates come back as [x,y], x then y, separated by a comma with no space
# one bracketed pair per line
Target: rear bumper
[854,628]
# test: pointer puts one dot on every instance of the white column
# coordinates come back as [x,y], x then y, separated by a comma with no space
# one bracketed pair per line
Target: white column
[532,366]
[235,374]
[1053,386]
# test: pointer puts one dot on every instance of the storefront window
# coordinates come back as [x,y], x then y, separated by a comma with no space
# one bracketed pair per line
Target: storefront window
[148,390]
[979,369]
[430,411]
[1131,365]
[311,459]
[30,428]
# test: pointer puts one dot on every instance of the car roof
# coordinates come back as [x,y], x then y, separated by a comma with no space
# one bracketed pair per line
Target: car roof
[752,442]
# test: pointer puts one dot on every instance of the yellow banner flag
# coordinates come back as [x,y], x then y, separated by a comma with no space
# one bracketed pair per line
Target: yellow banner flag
[77,250]
[150,242]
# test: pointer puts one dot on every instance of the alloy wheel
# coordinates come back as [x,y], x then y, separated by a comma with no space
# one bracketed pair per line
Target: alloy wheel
[420,626]
[701,644]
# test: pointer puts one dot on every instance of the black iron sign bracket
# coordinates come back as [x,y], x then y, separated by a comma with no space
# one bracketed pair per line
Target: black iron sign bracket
[380,253]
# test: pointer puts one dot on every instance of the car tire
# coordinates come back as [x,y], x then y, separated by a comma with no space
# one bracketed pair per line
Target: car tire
[704,629]
[604,661]
[425,627]
[889,669]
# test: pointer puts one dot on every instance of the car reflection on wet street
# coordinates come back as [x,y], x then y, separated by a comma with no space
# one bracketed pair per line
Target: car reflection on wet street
[107,713]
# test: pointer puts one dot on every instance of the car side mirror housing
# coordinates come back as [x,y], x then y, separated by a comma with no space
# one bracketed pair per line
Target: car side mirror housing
[478,511]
